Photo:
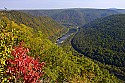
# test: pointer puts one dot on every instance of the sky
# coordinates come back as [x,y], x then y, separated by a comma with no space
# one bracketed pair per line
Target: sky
[61,4]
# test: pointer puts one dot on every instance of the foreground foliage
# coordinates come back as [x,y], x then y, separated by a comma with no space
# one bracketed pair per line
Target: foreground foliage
[24,67]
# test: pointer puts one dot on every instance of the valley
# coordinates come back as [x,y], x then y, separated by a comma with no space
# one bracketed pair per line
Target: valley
[65,36]
[103,40]
[76,45]
[74,16]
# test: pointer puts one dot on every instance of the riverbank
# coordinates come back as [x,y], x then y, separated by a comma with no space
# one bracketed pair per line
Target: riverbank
[65,36]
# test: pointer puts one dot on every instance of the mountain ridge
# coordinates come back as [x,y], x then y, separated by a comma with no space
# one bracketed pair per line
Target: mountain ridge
[47,25]
[86,15]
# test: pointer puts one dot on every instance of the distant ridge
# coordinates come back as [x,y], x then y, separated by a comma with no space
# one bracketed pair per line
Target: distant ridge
[74,16]
[113,9]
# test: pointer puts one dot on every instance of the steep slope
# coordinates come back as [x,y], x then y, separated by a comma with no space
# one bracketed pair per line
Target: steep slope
[59,65]
[48,26]
[73,17]
[92,14]
[103,40]
[69,17]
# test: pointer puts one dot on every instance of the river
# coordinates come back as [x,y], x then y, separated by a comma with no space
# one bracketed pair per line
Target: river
[65,36]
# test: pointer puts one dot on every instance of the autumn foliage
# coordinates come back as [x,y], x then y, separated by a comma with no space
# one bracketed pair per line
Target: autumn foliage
[24,66]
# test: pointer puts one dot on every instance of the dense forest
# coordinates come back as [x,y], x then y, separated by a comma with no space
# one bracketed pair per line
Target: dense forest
[46,25]
[25,46]
[76,16]
[103,40]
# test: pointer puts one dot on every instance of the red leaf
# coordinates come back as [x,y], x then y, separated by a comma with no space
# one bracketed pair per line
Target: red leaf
[24,66]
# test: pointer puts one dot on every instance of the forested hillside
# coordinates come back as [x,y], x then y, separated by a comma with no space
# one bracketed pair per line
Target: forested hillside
[46,25]
[73,17]
[104,40]
[122,11]
[70,18]
[35,46]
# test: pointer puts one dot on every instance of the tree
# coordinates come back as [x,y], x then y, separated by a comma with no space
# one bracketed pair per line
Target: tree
[23,67]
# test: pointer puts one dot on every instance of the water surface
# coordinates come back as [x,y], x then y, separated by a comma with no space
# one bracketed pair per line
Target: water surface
[65,36]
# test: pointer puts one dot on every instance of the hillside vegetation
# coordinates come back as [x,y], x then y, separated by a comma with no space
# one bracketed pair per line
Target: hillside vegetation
[59,65]
[74,17]
[104,40]
[46,25]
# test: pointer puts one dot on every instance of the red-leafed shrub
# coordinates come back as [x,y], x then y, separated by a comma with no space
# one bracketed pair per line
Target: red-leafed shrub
[23,66]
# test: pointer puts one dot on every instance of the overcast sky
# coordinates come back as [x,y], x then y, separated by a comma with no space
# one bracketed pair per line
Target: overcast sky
[59,4]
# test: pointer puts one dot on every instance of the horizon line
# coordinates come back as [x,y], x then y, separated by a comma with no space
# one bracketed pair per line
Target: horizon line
[55,8]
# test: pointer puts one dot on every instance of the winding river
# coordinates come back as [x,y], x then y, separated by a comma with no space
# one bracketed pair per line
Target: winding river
[65,36]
